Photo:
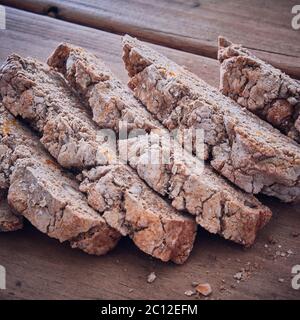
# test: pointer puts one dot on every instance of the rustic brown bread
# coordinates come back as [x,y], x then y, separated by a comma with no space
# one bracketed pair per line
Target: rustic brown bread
[40,95]
[243,148]
[55,206]
[49,198]
[261,88]
[218,207]
[136,210]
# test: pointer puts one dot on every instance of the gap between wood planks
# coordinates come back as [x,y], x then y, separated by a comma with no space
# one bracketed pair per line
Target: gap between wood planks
[275,42]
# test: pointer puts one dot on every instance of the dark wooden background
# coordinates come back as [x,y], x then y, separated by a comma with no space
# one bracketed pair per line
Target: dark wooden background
[39,267]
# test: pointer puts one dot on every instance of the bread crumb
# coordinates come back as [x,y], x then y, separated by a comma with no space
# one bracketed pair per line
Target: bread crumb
[151,277]
[204,289]
[190,293]
[238,276]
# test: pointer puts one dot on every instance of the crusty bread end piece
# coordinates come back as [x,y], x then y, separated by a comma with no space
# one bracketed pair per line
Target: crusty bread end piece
[55,206]
[261,88]
[132,208]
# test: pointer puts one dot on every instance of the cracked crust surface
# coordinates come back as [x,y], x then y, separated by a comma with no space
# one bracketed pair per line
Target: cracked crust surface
[53,204]
[109,100]
[261,88]
[16,141]
[243,148]
[132,208]
[40,95]
[219,207]
[193,187]
[46,196]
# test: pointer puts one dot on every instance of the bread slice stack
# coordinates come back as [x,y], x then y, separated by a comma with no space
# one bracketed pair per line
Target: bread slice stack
[191,186]
[47,196]
[68,168]
[108,189]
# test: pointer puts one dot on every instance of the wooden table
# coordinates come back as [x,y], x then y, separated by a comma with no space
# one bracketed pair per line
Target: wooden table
[39,267]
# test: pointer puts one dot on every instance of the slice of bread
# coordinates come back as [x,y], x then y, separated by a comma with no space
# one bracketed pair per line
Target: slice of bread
[261,88]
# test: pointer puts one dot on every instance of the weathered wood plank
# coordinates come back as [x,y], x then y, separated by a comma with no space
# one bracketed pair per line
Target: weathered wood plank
[39,267]
[189,25]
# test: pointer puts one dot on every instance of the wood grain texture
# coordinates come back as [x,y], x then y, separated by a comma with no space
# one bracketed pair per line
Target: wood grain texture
[189,25]
[39,267]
